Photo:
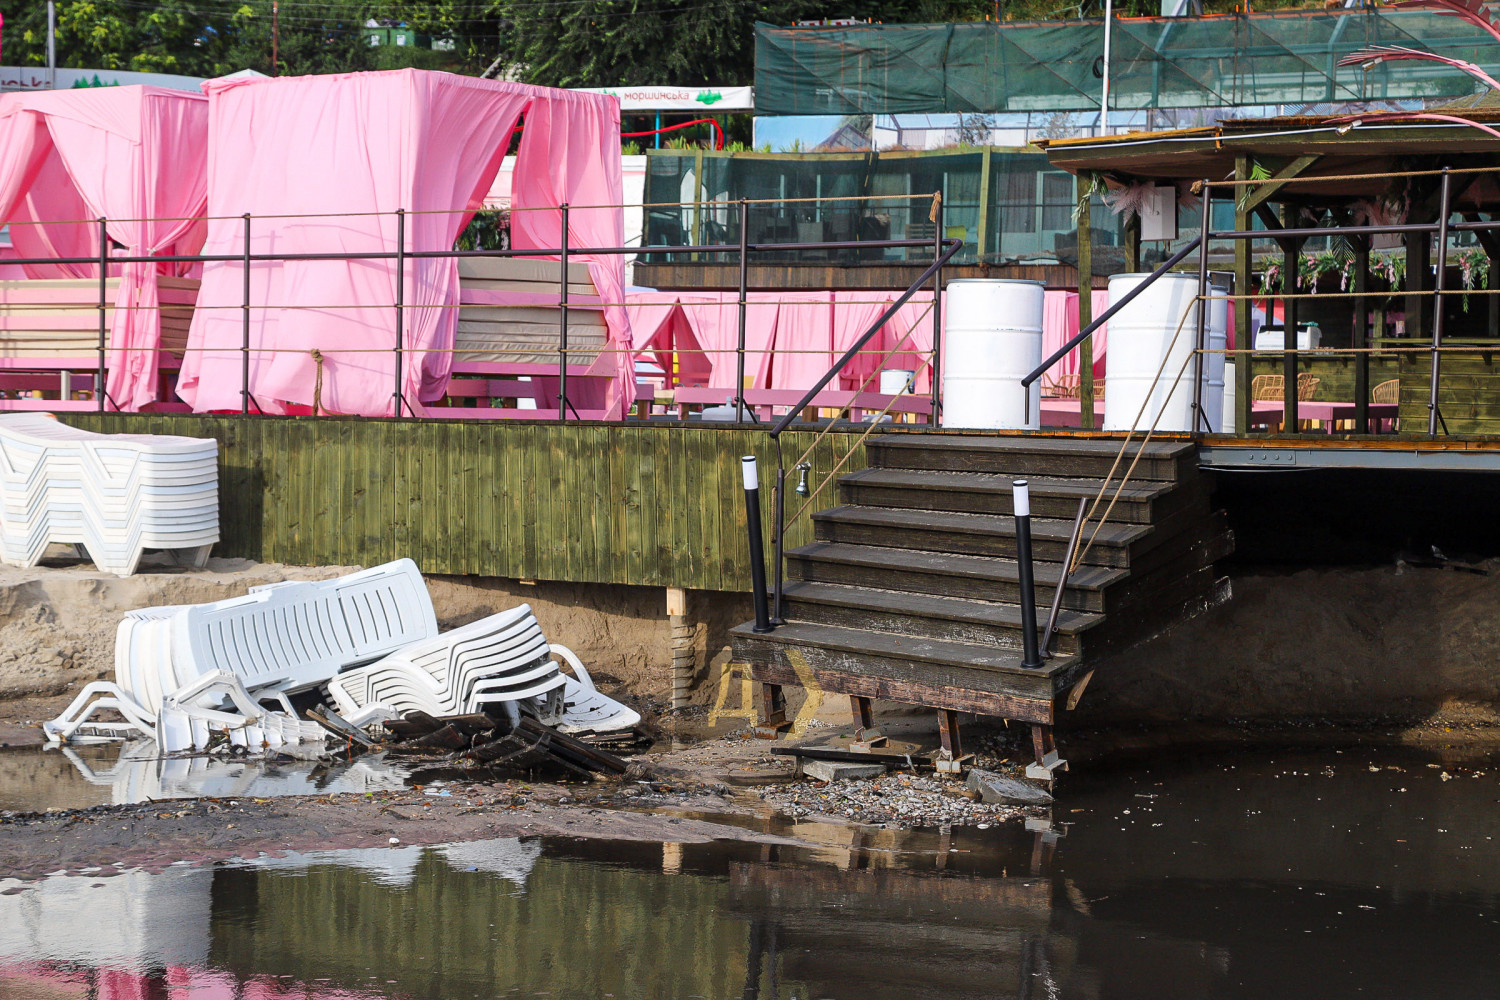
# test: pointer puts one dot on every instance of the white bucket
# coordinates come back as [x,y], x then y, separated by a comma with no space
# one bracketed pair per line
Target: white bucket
[993,339]
[1139,337]
[895,381]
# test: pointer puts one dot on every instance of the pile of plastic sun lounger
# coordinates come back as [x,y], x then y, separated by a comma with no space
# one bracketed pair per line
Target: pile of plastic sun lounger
[113,495]
[368,641]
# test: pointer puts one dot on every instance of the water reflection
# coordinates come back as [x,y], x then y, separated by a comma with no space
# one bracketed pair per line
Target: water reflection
[119,773]
[1215,876]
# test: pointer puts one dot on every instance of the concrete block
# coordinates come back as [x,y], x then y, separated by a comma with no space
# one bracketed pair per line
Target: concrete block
[833,770]
[997,789]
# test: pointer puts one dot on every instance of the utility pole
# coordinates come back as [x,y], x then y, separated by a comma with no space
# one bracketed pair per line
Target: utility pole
[51,45]
[275,35]
[1109,17]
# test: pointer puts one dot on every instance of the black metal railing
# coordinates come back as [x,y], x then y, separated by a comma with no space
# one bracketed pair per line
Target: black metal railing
[246,258]
[944,250]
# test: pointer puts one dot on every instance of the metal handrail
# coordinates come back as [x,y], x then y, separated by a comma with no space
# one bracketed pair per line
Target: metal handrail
[1088,331]
[954,245]
[933,269]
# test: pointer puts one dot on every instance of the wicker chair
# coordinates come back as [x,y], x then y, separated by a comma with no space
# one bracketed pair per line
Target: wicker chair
[1272,389]
[1061,387]
[1388,391]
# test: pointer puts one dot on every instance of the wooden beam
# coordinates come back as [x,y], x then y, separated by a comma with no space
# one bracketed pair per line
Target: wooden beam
[1133,244]
[1252,197]
[1085,301]
[1243,265]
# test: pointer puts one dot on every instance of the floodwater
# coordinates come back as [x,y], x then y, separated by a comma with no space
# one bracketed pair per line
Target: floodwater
[35,779]
[1192,874]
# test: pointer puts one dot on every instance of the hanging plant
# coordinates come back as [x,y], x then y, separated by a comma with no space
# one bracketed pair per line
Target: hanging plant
[1473,270]
[1095,186]
[1130,199]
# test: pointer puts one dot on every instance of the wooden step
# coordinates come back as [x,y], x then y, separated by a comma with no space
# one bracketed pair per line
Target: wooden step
[948,618]
[982,493]
[1032,455]
[974,577]
[906,660]
[975,534]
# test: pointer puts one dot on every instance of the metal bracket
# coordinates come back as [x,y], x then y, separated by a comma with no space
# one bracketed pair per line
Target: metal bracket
[866,740]
[1047,769]
[952,766]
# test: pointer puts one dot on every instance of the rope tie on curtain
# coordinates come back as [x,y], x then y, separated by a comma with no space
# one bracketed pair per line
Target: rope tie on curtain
[317,357]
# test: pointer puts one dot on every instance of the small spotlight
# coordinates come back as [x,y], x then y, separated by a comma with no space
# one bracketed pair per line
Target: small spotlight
[1347,126]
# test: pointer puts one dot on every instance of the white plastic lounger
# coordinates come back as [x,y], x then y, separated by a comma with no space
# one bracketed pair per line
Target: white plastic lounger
[283,638]
[502,660]
[113,495]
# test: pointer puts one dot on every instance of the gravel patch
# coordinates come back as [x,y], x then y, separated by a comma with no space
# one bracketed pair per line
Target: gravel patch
[896,800]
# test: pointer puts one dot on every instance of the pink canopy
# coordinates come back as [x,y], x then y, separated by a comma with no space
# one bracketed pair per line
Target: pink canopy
[322,164]
[131,155]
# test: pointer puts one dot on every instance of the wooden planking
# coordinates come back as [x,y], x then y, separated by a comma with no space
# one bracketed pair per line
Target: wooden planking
[590,503]
[1468,392]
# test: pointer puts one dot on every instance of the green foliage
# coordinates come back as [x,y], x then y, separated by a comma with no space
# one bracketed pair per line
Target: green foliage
[486,231]
[209,38]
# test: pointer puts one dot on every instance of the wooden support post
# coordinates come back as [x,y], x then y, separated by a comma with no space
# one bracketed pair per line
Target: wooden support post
[1361,337]
[948,733]
[771,717]
[1290,271]
[863,710]
[1042,742]
[1085,301]
[866,736]
[1418,264]
[952,759]
[1243,341]
[684,655]
[1133,244]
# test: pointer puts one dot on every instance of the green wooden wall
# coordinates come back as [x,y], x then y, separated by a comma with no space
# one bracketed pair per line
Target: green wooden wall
[654,504]
[1468,392]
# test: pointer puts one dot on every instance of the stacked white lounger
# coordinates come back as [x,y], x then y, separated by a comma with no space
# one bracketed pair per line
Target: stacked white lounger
[185,672]
[115,495]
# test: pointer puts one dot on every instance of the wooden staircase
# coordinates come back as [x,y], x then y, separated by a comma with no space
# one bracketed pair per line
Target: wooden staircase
[911,591]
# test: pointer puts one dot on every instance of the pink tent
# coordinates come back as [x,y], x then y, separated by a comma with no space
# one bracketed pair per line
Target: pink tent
[1060,323]
[132,155]
[322,163]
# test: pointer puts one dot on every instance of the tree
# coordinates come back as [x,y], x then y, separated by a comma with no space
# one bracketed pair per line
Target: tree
[205,37]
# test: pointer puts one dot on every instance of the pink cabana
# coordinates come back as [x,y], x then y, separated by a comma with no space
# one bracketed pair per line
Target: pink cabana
[131,155]
[1060,324]
[322,164]
[714,319]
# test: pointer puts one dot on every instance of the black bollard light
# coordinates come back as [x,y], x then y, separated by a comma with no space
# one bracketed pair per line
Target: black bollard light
[757,555]
[1021,503]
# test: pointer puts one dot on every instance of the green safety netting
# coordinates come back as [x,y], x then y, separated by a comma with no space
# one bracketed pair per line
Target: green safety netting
[1220,61]
[1005,205]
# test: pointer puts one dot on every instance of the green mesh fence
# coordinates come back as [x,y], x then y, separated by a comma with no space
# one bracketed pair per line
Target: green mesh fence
[1221,61]
[1006,205]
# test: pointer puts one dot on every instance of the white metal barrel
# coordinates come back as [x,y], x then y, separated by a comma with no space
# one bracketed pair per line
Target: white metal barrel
[1140,335]
[992,340]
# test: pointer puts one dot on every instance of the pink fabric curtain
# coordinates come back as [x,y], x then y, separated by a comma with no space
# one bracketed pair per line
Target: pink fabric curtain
[569,156]
[1060,322]
[804,339]
[659,328]
[134,155]
[714,318]
[24,147]
[854,312]
[48,222]
[367,144]
[912,327]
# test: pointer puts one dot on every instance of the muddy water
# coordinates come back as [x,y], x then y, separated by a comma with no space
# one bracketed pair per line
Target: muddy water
[1185,874]
[36,779]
